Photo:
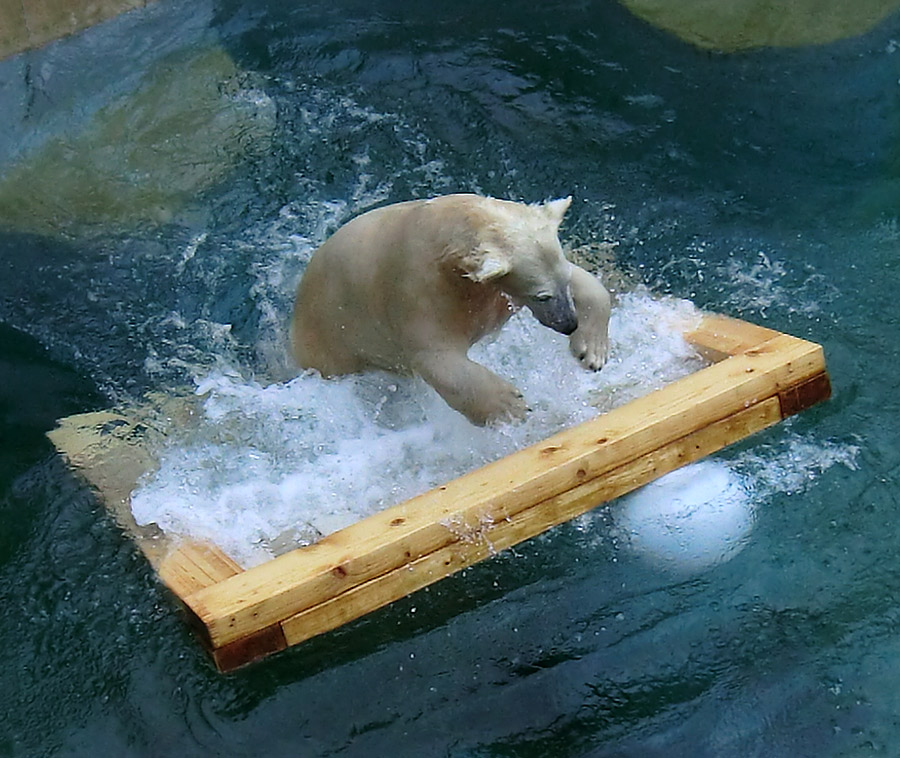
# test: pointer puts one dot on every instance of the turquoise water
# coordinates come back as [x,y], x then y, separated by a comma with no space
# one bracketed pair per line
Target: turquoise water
[762,184]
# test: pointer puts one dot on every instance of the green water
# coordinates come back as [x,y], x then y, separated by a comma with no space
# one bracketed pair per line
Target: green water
[764,184]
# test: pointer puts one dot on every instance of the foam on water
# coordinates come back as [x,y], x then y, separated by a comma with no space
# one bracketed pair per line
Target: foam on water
[271,467]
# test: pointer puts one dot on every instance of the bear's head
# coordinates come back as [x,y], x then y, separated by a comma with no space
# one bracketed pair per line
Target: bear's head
[519,253]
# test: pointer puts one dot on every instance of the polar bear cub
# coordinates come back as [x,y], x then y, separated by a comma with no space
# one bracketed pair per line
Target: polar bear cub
[409,288]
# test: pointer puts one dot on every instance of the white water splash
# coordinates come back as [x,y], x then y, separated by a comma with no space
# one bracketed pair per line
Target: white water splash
[270,468]
[763,283]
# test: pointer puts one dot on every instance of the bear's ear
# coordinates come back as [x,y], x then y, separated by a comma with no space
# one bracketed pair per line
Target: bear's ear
[556,209]
[485,264]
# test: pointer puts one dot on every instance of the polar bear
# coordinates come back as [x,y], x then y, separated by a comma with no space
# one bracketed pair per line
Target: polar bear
[409,288]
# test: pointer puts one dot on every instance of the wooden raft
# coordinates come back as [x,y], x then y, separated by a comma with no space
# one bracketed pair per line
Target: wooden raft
[760,377]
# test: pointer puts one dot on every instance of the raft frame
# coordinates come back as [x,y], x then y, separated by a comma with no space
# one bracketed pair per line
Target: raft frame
[759,377]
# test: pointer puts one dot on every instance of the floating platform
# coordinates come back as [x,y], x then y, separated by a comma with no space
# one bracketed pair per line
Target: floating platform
[758,377]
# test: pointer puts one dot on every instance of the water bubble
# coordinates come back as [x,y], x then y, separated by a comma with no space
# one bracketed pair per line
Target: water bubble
[692,518]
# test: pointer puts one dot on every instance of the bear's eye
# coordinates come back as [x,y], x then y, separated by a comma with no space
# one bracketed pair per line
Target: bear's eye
[543,297]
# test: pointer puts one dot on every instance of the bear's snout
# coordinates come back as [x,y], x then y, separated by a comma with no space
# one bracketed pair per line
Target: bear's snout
[566,326]
[557,313]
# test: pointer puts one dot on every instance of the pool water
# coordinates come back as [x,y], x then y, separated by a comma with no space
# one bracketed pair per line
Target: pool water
[163,179]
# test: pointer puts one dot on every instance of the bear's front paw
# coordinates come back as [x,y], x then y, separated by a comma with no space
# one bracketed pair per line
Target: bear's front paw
[493,402]
[590,347]
[503,404]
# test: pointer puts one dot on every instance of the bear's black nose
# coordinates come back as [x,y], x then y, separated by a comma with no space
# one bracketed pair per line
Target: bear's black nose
[568,326]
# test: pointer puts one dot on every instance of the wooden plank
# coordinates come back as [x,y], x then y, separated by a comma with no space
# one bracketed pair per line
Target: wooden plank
[278,590]
[762,377]
[805,395]
[249,649]
[720,337]
[490,538]
[193,566]
[111,450]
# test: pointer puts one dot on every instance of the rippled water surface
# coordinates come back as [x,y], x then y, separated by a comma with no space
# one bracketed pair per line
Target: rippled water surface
[163,180]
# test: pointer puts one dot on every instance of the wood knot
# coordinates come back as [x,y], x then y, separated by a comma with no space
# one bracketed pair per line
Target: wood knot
[339,571]
[398,521]
[550,450]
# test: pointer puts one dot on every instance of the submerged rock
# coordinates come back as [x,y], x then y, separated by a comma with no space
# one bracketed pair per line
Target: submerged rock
[733,25]
[144,156]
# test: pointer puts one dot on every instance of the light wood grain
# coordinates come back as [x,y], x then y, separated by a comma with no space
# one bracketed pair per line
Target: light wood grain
[194,565]
[719,337]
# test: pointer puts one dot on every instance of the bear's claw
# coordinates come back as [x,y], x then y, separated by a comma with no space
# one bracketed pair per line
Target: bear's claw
[591,350]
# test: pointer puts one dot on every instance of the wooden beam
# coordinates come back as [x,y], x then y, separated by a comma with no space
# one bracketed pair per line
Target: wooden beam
[399,536]
[194,565]
[805,395]
[249,649]
[491,537]
[761,377]
[719,337]
[111,450]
